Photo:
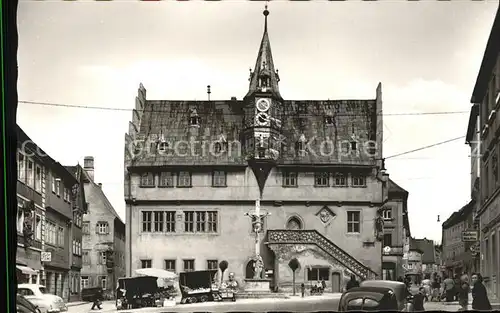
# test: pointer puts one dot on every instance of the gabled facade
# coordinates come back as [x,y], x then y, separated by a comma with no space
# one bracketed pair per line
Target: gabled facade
[486,95]
[80,208]
[457,255]
[103,254]
[189,183]
[396,232]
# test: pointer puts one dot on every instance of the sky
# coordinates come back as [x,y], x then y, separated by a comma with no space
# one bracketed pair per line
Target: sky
[425,54]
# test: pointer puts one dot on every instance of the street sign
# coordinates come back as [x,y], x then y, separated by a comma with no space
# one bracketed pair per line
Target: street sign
[46,256]
[470,236]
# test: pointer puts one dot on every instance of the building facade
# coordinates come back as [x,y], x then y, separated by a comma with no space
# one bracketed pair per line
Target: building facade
[30,215]
[457,256]
[79,208]
[396,231]
[58,229]
[191,187]
[486,95]
[414,263]
[47,220]
[103,252]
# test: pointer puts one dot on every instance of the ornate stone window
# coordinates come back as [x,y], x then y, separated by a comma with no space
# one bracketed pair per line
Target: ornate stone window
[294,223]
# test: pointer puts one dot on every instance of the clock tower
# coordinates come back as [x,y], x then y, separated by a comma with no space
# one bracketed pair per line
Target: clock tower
[262,132]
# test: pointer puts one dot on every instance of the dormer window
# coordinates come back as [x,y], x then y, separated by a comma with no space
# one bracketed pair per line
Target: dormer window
[162,146]
[329,120]
[194,119]
[354,145]
[302,108]
[217,147]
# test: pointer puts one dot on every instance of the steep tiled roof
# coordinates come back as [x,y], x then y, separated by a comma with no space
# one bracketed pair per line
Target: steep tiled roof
[172,119]
[101,193]
[459,216]
[395,188]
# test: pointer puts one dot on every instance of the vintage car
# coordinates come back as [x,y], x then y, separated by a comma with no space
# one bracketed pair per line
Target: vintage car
[24,305]
[368,299]
[400,289]
[37,294]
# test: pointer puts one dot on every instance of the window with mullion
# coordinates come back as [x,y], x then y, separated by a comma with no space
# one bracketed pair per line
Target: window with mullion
[353,221]
[184,179]
[340,180]
[219,179]
[169,221]
[159,220]
[189,221]
[146,221]
[147,180]
[212,222]
[201,221]
[321,179]
[166,179]
[290,179]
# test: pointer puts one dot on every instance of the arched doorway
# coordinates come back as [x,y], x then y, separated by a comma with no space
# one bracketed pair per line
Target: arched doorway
[336,282]
[249,270]
[294,223]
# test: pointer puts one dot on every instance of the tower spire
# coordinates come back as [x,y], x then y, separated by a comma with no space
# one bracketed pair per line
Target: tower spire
[264,78]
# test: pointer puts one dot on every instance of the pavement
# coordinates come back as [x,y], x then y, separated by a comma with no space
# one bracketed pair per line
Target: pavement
[325,302]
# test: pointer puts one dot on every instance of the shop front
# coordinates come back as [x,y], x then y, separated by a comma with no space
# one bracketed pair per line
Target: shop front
[28,266]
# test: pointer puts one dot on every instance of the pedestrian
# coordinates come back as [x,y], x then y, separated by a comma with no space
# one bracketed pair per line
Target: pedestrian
[480,301]
[352,283]
[463,294]
[435,286]
[302,289]
[323,285]
[449,289]
[418,300]
[97,300]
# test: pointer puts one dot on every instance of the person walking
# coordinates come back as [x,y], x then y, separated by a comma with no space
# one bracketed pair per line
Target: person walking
[449,289]
[302,289]
[436,287]
[418,300]
[463,294]
[480,301]
[98,296]
[352,283]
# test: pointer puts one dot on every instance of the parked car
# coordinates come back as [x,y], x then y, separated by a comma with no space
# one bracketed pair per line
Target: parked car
[368,299]
[38,295]
[399,289]
[24,305]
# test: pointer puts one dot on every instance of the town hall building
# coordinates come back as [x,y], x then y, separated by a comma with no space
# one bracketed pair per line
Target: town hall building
[202,177]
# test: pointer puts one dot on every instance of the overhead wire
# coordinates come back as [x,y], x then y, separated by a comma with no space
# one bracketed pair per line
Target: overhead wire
[225,113]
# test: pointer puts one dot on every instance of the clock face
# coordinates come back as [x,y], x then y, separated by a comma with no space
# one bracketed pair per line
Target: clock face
[263,105]
[262,119]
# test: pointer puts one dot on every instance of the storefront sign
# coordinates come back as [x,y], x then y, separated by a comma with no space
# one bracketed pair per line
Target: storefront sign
[470,236]
[46,256]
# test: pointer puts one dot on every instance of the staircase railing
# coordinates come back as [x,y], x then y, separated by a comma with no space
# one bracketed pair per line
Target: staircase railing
[288,236]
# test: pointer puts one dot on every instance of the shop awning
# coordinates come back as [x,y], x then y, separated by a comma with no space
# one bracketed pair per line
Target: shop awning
[26,270]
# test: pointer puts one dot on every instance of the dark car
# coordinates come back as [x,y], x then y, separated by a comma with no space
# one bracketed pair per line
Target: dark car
[368,299]
[399,289]
[24,305]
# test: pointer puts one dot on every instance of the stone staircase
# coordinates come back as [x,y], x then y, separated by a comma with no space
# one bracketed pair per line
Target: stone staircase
[313,237]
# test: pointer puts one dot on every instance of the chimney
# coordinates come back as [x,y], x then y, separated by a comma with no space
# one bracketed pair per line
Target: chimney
[100,185]
[88,166]
[233,98]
